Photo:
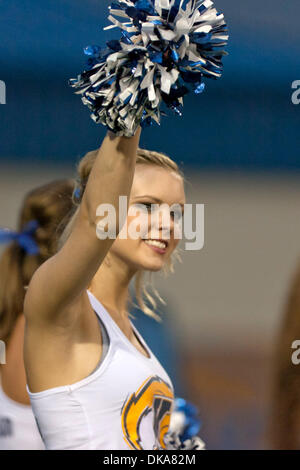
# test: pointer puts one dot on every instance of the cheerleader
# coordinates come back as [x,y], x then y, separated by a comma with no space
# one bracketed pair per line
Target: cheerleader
[42,210]
[92,380]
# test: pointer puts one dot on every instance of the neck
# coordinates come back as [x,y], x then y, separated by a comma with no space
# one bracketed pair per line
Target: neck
[111,285]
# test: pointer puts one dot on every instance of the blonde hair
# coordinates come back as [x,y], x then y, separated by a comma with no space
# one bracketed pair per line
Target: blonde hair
[146,301]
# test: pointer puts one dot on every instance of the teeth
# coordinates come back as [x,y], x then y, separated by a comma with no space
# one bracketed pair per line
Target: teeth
[157,243]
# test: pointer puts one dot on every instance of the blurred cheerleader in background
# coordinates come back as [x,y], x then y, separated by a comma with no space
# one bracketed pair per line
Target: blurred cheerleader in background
[40,223]
[285,423]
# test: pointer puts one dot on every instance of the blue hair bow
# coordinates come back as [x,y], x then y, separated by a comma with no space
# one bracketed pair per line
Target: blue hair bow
[77,193]
[24,239]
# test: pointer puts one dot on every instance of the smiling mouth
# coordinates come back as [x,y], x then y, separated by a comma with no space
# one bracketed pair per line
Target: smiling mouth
[157,245]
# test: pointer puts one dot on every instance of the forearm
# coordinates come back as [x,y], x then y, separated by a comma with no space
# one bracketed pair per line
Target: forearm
[70,271]
[111,175]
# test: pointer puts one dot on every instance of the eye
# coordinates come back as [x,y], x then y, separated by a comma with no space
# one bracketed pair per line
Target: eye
[148,205]
[143,207]
[176,214]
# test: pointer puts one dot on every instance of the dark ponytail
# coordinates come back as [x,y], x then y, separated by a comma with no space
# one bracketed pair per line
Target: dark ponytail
[50,206]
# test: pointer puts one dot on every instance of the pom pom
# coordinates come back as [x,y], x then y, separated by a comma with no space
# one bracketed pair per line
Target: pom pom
[185,421]
[166,49]
[184,426]
[173,442]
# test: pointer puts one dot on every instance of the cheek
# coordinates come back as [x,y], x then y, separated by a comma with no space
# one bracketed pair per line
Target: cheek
[125,244]
[124,249]
[136,227]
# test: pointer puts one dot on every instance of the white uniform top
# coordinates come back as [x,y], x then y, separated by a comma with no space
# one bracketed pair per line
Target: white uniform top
[18,429]
[124,404]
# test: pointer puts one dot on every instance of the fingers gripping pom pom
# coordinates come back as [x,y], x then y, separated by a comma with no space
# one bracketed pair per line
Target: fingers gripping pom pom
[165,50]
[173,442]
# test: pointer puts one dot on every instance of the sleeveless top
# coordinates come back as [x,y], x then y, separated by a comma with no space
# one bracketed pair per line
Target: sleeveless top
[125,403]
[18,429]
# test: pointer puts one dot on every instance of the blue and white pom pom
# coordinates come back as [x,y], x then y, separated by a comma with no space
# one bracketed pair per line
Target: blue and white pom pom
[166,49]
[184,427]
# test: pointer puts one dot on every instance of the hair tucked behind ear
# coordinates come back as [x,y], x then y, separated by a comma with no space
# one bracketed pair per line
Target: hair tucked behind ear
[146,300]
[49,205]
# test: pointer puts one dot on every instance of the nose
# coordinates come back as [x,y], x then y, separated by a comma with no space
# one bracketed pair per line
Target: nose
[162,224]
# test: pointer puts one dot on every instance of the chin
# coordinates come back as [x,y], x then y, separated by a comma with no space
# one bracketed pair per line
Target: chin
[153,269]
[151,265]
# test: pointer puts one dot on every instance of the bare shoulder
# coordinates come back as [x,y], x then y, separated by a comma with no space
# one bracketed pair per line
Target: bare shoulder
[62,352]
[40,298]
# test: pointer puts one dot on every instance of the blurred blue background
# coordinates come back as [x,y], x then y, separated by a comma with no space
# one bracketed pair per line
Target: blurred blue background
[244,120]
[239,145]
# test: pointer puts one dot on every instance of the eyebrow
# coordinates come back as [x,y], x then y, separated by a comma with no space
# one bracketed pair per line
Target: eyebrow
[155,199]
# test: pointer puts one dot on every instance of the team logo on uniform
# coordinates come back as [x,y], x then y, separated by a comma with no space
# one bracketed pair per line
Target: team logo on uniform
[154,396]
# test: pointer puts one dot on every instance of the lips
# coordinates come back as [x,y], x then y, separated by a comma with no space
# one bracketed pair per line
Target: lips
[157,245]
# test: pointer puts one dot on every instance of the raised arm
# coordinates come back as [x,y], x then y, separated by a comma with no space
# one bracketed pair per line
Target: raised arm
[61,279]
